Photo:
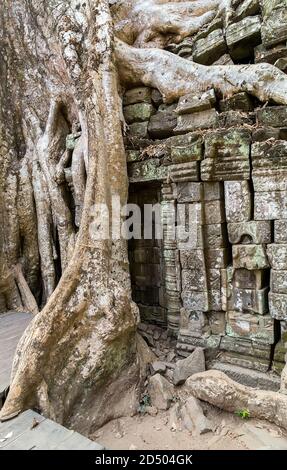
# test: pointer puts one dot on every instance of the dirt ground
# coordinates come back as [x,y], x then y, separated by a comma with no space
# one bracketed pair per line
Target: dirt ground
[144,432]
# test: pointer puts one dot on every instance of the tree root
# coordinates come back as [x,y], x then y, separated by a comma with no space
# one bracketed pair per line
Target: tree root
[174,76]
[217,388]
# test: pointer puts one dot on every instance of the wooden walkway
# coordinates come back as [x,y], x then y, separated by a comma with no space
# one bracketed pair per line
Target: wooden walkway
[31,431]
[12,326]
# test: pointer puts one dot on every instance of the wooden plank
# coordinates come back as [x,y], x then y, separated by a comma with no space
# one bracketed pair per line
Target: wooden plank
[48,435]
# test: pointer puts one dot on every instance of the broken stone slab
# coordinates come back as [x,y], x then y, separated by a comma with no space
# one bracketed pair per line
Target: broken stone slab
[235,118]
[237,201]
[250,257]
[254,327]
[274,27]
[193,364]
[278,306]
[252,232]
[194,419]
[241,101]
[137,95]
[269,205]
[243,36]
[199,120]
[157,367]
[193,103]
[210,48]
[277,256]
[273,116]
[139,112]
[161,392]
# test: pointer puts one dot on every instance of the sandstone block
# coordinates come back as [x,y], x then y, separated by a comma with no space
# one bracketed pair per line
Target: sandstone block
[237,201]
[240,101]
[217,322]
[139,112]
[277,255]
[199,120]
[241,37]
[195,300]
[193,103]
[162,124]
[274,26]
[138,129]
[189,192]
[254,327]
[137,95]
[250,257]
[280,231]
[273,116]
[278,306]
[248,300]
[247,279]
[210,48]
[213,191]
[278,282]
[252,232]
[191,365]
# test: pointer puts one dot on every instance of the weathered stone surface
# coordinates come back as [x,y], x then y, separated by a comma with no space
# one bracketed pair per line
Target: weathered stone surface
[235,118]
[217,258]
[278,282]
[209,49]
[194,103]
[280,231]
[137,95]
[157,367]
[247,279]
[133,156]
[277,255]
[250,378]
[252,232]
[139,112]
[195,300]
[226,155]
[187,153]
[215,235]
[246,8]
[195,322]
[213,191]
[242,36]
[162,124]
[254,327]
[264,133]
[193,364]
[148,170]
[71,140]
[261,54]
[199,120]
[189,192]
[273,116]
[237,201]
[243,361]
[278,306]
[225,59]
[193,280]
[214,212]
[250,256]
[270,205]
[161,392]
[248,300]
[274,26]
[156,97]
[188,171]
[138,129]
[240,101]
[217,322]
[246,347]
[193,417]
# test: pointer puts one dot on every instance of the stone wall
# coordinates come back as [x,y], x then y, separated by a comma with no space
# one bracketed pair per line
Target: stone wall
[228,155]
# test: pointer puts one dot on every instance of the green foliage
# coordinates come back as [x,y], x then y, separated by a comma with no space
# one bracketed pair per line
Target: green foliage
[243,414]
[145,401]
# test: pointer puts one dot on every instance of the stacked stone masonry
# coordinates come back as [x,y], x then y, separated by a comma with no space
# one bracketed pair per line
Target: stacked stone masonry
[225,289]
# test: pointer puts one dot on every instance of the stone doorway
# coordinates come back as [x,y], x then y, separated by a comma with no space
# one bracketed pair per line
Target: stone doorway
[146,260]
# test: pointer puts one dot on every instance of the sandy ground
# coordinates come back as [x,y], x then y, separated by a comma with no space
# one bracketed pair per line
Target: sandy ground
[144,432]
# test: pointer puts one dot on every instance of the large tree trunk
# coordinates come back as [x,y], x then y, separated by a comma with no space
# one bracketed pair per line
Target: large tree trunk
[78,360]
